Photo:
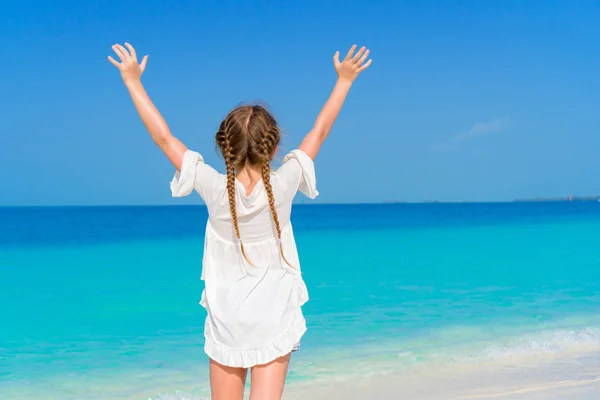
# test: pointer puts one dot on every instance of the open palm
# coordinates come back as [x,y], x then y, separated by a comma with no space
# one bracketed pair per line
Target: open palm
[130,69]
[353,64]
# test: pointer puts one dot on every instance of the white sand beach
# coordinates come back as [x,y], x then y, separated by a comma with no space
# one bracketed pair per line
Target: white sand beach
[542,378]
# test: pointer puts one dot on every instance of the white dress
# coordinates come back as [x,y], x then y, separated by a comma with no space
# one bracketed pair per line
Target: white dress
[254,312]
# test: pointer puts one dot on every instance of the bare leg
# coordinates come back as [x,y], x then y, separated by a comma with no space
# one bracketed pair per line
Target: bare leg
[268,380]
[226,383]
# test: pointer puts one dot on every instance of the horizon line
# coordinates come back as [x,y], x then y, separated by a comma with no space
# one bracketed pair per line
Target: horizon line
[525,200]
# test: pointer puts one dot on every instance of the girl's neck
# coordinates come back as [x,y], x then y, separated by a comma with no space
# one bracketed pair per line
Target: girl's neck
[249,177]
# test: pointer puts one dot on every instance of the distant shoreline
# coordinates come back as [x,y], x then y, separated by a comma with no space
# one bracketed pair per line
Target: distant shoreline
[559,199]
[573,199]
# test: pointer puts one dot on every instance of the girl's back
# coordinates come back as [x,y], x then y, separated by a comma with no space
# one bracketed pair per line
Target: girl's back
[253,211]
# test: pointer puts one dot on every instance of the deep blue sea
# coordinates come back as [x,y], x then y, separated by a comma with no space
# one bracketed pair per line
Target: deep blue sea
[102,303]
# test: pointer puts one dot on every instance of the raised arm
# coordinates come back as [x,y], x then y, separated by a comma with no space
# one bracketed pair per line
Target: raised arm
[347,71]
[131,72]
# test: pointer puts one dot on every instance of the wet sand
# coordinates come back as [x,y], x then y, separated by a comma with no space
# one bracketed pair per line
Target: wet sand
[542,378]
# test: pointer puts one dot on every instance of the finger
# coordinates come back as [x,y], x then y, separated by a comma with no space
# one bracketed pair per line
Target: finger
[124,51]
[143,64]
[114,62]
[359,54]
[336,58]
[131,51]
[364,57]
[350,52]
[118,52]
[365,66]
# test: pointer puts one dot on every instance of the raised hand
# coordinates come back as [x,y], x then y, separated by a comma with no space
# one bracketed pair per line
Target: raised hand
[352,65]
[130,70]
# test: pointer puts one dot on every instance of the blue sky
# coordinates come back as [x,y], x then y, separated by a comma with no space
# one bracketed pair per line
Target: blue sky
[468,100]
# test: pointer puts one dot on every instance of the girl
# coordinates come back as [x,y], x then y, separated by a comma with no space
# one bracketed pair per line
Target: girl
[253,287]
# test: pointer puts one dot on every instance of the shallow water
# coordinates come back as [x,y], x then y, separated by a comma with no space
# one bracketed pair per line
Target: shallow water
[101,303]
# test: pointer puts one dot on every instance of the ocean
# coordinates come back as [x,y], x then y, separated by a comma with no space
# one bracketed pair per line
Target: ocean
[102,302]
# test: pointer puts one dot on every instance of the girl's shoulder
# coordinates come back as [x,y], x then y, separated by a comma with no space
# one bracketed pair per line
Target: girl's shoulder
[297,173]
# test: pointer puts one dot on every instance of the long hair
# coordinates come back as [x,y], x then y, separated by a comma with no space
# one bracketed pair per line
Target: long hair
[248,137]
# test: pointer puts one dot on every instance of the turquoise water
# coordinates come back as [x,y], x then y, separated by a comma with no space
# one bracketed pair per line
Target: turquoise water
[102,303]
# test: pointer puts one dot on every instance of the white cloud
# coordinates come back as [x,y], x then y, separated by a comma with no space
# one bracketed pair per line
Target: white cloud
[479,130]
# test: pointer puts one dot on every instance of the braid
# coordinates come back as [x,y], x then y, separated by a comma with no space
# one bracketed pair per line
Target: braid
[247,138]
[267,146]
[231,185]
[225,142]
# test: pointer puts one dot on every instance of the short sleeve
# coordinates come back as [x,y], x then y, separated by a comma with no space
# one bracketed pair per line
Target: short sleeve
[195,175]
[298,172]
